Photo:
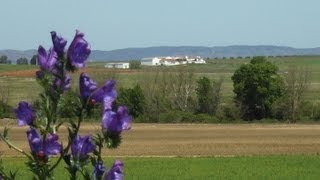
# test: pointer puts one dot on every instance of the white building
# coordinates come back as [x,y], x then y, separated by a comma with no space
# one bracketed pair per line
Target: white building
[117,65]
[153,61]
[195,60]
[172,61]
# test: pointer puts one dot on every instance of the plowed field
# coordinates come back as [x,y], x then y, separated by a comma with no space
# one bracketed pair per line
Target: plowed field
[200,140]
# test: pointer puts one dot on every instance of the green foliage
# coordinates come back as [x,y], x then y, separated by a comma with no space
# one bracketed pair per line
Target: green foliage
[296,84]
[22,61]
[208,95]
[229,112]
[133,98]
[238,167]
[6,111]
[135,64]
[33,60]
[257,85]
[4,59]
[68,104]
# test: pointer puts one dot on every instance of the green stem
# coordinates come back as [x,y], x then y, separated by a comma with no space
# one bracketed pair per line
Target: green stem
[80,119]
[11,145]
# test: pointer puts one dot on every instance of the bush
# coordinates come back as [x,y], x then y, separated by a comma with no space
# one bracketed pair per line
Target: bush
[6,111]
[186,117]
[229,112]
[134,100]
[68,103]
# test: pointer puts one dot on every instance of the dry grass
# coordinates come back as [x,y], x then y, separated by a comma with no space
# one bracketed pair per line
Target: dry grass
[201,140]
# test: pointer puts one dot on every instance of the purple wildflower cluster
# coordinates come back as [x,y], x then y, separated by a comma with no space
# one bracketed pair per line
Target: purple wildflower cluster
[112,121]
[55,66]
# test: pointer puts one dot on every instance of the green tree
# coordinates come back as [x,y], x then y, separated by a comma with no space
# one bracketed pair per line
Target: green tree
[135,64]
[22,61]
[257,85]
[33,60]
[208,94]
[296,81]
[3,59]
[133,98]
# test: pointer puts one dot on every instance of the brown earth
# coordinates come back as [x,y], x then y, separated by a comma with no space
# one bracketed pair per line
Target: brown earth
[20,73]
[32,72]
[200,140]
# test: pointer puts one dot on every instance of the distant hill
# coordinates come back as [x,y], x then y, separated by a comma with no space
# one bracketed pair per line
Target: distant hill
[211,52]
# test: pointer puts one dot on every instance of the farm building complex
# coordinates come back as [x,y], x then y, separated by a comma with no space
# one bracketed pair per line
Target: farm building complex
[171,61]
[117,65]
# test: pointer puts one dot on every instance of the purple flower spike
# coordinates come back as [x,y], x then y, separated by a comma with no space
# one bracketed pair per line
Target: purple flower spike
[124,117]
[116,171]
[78,51]
[51,146]
[24,114]
[116,122]
[99,170]
[81,146]
[47,61]
[58,43]
[34,140]
[87,86]
[63,85]
[106,95]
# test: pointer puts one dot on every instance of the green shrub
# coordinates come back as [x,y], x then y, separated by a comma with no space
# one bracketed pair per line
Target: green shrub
[229,112]
[6,111]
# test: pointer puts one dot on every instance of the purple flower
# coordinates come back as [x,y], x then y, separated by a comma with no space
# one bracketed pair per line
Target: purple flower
[78,51]
[116,171]
[106,95]
[50,146]
[81,146]
[40,75]
[87,86]
[99,170]
[47,61]
[58,43]
[115,122]
[24,114]
[64,85]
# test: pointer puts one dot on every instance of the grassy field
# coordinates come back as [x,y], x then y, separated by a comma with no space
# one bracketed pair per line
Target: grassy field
[19,79]
[244,167]
[188,151]
[201,151]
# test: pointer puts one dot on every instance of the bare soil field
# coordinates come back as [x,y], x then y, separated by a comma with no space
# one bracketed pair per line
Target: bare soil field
[199,139]
[32,72]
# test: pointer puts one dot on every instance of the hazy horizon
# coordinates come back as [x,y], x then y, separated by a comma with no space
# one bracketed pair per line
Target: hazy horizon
[111,25]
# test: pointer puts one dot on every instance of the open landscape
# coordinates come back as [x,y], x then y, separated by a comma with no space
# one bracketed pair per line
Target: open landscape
[232,150]
[204,151]
[159,90]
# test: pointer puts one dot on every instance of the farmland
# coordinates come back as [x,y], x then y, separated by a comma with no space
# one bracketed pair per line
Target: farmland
[236,150]
[20,82]
[204,151]
[188,140]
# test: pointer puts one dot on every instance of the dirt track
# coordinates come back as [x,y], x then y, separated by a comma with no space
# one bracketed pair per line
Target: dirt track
[201,140]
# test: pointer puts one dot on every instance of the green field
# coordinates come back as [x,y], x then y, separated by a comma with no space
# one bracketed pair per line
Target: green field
[254,167]
[27,88]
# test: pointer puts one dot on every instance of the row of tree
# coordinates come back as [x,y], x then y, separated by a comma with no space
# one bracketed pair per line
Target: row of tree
[177,95]
[4,60]
[164,94]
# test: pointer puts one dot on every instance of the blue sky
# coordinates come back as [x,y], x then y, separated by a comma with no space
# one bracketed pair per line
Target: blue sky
[114,24]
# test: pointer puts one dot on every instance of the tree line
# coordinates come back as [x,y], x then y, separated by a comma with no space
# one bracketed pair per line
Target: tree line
[20,61]
[179,95]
